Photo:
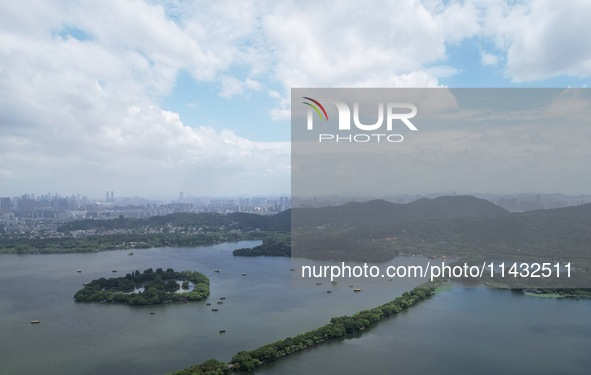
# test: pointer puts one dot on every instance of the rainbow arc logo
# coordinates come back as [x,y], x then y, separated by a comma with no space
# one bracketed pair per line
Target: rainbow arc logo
[316,106]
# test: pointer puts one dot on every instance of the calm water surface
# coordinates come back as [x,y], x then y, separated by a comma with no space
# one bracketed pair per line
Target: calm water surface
[474,330]
[90,338]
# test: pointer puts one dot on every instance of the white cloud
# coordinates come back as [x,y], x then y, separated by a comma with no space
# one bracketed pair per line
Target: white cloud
[82,116]
[90,108]
[231,86]
[553,38]
[488,59]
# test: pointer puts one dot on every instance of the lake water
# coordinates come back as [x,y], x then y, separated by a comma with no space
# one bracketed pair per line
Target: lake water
[476,330]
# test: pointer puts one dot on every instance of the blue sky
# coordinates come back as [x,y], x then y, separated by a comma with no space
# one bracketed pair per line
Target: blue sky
[154,97]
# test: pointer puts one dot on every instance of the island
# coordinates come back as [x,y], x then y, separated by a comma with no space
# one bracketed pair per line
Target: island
[147,288]
[273,245]
[338,327]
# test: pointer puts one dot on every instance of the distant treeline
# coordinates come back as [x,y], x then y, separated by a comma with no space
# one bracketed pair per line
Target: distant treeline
[235,220]
[159,287]
[338,327]
[216,228]
[116,241]
[274,245]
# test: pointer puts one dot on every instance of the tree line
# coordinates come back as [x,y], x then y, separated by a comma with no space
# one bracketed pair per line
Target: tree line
[338,327]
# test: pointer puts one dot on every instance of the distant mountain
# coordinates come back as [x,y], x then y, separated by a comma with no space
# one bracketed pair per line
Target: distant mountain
[456,225]
[382,212]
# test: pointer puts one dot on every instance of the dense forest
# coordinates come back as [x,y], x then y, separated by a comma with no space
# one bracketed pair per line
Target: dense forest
[274,245]
[459,226]
[158,287]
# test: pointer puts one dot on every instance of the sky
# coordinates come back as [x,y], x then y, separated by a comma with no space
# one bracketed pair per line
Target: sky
[150,98]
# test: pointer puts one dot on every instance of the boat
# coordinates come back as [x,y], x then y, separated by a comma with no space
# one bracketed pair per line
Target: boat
[329,291]
[222,297]
[114,271]
[131,253]
[222,331]
[208,304]
[78,271]
[217,270]
[334,282]
[357,290]
[214,309]
[220,302]
[318,283]
[152,313]
[292,269]
[35,321]
[243,273]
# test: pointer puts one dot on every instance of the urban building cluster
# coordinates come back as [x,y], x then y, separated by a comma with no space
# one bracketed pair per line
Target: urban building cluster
[40,214]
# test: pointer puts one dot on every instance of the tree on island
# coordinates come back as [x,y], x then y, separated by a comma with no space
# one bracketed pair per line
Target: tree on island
[158,287]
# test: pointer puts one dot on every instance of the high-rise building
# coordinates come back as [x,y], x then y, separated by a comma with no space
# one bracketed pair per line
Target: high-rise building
[107,196]
[5,203]
[112,196]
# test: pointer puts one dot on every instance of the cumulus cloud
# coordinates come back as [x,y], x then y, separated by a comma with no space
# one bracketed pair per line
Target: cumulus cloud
[552,39]
[80,86]
[82,115]
[488,59]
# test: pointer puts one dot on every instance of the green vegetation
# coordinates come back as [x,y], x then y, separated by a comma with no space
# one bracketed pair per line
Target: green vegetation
[469,229]
[460,226]
[159,287]
[557,292]
[206,220]
[337,328]
[209,367]
[116,241]
[275,245]
[180,229]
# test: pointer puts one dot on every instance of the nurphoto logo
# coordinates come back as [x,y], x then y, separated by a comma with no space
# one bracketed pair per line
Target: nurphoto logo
[391,112]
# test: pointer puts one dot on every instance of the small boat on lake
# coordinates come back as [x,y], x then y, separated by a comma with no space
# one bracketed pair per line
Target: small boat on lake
[214,309]
[114,271]
[357,290]
[208,304]
[220,302]
[131,253]
[222,331]
[78,271]
[243,273]
[217,270]
[35,321]
[222,297]
[152,313]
